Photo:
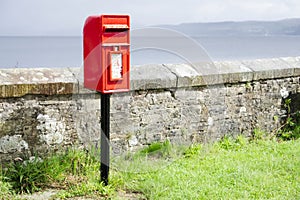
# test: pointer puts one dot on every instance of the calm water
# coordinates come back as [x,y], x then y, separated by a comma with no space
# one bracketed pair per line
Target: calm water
[67,51]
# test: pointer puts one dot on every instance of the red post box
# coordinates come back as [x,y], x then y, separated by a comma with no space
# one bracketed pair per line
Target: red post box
[106,53]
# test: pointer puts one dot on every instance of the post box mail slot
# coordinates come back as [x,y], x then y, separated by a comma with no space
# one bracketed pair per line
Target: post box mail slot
[106,53]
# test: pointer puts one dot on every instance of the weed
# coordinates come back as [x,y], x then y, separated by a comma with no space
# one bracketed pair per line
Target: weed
[27,176]
[291,127]
[248,85]
[5,188]
[259,134]
[89,188]
[230,143]
[193,150]
[154,150]
[159,148]
[34,174]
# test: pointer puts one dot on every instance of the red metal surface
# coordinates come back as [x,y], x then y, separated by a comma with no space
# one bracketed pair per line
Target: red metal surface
[102,36]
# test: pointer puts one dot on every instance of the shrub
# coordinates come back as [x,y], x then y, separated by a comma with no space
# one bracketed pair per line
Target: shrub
[291,127]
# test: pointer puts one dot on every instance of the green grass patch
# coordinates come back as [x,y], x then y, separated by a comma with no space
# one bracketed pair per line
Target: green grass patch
[230,169]
[234,168]
[151,158]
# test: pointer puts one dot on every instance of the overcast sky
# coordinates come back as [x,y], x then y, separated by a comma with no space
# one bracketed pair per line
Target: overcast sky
[66,17]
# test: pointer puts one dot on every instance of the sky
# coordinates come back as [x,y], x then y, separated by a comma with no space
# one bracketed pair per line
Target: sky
[66,17]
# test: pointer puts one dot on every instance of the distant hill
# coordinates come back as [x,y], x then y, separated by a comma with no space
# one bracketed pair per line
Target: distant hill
[245,28]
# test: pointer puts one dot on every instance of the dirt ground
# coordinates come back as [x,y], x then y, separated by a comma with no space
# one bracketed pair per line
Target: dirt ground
[49,195]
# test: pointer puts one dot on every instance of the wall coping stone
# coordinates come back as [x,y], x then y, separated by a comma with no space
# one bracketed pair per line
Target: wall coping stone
[18,82]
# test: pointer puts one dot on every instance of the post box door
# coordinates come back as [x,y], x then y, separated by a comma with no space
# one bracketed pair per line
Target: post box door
[117,71]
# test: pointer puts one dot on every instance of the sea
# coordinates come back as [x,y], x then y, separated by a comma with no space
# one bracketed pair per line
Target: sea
[67,51]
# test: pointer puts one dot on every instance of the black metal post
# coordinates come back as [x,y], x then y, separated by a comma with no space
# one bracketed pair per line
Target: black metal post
[105,123]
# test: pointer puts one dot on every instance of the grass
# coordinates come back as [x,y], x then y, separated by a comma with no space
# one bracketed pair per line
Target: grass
[229,169]
[5,189]
[74,173]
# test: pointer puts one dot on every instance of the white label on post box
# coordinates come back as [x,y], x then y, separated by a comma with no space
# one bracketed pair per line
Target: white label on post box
[116,66]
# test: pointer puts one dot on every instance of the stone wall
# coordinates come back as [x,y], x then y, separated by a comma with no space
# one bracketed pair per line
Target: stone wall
[43,110]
